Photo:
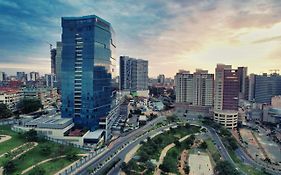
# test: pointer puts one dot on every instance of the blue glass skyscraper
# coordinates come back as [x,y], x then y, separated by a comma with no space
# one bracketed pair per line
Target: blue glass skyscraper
[87,69]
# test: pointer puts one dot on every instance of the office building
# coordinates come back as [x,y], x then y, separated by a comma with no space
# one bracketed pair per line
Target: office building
[243,85]
[21,76]
[226,96]
[195,89]
[133,74]
[50,80]
[161,79]
[58,64]
[263,87]
[3,76]
[34,76]
[53,60]
[87,69]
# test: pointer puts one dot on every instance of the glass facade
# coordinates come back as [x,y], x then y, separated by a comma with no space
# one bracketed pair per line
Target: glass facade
[87,69]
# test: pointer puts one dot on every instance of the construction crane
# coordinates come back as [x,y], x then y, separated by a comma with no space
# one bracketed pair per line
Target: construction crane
[274,71]
[51,46]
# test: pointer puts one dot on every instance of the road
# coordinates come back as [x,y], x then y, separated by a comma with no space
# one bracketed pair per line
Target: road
[110,153]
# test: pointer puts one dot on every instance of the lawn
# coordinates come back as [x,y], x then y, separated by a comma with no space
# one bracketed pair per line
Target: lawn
[36,154]
[245,168]
[14,142]
[153,147]
[53,166]
[215,155]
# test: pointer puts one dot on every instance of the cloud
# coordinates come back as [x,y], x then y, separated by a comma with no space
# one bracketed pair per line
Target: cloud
[275,38]
[171,34]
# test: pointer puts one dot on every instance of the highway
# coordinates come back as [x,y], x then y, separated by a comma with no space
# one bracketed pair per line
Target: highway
[110,153]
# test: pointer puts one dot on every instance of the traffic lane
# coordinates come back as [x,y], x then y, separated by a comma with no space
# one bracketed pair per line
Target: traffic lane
[101,159]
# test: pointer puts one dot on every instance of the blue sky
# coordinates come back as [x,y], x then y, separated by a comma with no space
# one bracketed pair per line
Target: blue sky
[172,35]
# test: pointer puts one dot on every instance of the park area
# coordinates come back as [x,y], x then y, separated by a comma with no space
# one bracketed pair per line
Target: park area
[29,154]
[153,156]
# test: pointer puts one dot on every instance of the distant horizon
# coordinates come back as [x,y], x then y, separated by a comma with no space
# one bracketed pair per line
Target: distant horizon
[171,35]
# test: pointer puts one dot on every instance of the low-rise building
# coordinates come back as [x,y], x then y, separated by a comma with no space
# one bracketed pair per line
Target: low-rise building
[53,126]
[10,97]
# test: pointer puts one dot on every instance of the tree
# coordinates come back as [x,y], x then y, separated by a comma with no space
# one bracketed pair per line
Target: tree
[31,135]
[186,169]
[5,112]
[37,171]
[224,167]
[45,149]
[203,145]
[71,155]
[28,105]
[9,167]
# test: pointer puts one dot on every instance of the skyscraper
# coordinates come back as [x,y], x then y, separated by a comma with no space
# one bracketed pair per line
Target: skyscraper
[58,64]
[133,74]
[161,79]
[242,74]
[263,87]
[34,76]
[53,60]
[22,76]
[195,89]
[87,69]
[50,80]
[226,95]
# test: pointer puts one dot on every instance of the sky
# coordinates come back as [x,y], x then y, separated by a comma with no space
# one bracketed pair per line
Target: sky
[172,35]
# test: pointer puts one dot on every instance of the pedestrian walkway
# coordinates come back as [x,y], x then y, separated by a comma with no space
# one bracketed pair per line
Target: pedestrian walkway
[44,161]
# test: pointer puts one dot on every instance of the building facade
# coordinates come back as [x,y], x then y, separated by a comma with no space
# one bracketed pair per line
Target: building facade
[53,60]
[226,96]
[263,87]
[195,89]
[10,97]
[34,76]
[243,85]
[87,69]
[161,79]
[133,74]
[58,64]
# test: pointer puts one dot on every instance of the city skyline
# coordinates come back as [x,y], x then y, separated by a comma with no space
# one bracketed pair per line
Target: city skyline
[170,35]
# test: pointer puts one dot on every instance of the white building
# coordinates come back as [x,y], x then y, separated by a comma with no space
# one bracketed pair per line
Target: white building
[10,97]
[195,89]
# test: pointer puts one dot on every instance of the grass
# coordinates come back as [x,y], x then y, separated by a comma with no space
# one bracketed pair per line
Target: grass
[153,147]
[215,155]
[12,143]
[245,168]
[34,156]
[53,166]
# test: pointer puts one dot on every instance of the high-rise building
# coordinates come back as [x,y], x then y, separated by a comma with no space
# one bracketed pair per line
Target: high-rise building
[53,60]
[203,88]
[195,89]
[242,74]
[184,87]
[34,76]
[58,64]
[263,87]
[87,69]
[22,76]
[161,79]
[50,80]
[226,96]
[3,76]
[133,74]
